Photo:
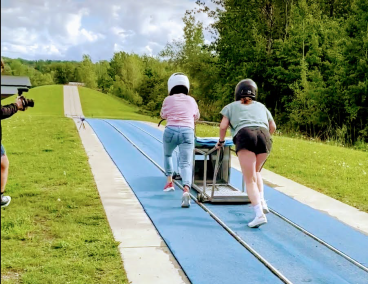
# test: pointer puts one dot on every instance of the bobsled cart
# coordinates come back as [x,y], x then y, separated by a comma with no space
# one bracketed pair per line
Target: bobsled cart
[211,172]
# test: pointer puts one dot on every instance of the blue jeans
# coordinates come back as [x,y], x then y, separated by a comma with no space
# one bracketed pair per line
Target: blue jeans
[2,150]
[183,137]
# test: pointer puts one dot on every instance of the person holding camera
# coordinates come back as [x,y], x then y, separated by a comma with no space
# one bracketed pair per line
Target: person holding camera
[6,111]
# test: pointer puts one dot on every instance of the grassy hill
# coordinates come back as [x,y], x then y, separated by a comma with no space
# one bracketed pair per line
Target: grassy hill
[48,101]
[99,105]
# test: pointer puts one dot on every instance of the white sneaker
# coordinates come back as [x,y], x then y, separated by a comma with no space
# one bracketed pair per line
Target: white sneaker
[185,201]
[265,207]
[5,200]
[258,221]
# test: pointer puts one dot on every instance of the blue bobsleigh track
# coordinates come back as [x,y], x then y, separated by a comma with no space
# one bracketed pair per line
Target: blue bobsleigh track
[209,254]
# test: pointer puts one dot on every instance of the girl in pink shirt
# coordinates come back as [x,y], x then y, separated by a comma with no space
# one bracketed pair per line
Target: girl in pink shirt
[181,111]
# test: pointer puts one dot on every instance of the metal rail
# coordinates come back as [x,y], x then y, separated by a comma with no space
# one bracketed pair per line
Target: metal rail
[231,232]
[353,261]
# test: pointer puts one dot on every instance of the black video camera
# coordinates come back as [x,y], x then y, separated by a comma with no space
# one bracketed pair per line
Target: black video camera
[26,102]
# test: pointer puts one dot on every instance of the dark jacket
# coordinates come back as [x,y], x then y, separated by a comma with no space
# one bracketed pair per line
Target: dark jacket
[7,111]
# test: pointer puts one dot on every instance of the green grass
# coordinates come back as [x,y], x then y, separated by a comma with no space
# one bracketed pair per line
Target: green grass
[338,172]
[99,105]
[55,229]
[48,101]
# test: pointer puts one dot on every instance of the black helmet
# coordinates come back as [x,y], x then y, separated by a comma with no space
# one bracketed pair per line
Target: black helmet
[246,88]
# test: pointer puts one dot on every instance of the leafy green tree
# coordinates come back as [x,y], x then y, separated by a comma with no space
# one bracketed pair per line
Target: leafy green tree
[356,68]
[193,57]
[40,79]
[17,68]
[308,58]
[104,81]
[61,74]
[88,72]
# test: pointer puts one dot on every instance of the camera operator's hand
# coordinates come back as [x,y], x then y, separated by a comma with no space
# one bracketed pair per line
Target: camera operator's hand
[19,103]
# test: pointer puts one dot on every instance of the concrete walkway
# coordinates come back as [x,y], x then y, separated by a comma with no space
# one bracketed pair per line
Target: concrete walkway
[146,257]
[72,105]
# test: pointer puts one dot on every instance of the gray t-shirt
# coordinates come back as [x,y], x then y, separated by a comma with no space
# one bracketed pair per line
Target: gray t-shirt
[241,115]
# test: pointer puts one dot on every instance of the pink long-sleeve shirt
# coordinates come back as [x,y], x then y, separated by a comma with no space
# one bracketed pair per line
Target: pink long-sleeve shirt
[180,110]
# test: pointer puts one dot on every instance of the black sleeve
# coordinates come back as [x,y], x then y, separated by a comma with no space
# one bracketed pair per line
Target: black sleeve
[8,110]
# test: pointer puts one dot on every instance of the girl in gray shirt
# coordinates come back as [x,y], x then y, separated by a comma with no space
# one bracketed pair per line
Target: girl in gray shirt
[251,127]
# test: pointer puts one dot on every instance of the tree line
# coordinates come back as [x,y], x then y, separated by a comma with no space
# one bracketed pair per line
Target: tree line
[308,57]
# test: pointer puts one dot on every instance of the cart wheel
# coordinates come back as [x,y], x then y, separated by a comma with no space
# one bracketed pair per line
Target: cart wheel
[200,197]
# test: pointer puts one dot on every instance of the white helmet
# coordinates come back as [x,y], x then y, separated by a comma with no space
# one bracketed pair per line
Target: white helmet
[177,79]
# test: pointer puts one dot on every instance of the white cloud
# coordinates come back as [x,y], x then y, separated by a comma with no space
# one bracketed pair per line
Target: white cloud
[115,11]
[149,50]
[73,25]
[117,47]
[55,29]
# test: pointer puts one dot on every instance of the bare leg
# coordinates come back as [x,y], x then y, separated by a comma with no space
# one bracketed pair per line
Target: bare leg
[247,160]
[4,172]
[260,185]
[261,158]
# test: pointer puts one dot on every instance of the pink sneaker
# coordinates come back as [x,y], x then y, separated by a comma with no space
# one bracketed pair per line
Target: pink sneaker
[169,187]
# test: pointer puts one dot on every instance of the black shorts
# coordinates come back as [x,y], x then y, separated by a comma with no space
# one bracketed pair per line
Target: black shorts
[255,139]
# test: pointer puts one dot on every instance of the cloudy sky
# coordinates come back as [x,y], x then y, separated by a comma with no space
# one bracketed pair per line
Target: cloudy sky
[67,29]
